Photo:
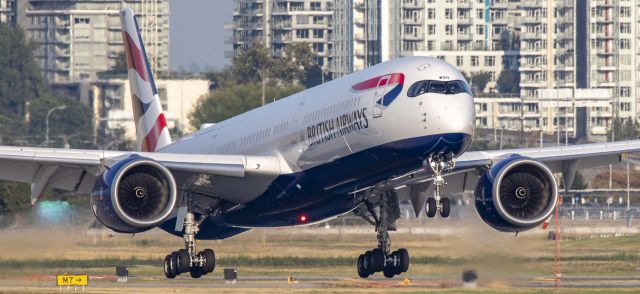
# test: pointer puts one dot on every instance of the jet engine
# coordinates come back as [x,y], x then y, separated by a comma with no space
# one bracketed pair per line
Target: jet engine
[133,195]
[516,194]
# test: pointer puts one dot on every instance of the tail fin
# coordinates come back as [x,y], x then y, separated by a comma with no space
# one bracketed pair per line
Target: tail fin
[151,127]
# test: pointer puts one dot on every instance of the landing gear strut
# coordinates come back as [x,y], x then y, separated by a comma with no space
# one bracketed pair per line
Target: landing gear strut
[438,164]
[189,260]
[381,259]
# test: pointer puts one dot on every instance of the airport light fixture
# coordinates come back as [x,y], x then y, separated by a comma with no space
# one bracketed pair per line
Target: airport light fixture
[46,134]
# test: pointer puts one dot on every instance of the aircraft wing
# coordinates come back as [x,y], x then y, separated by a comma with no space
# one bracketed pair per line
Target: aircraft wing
[416,185]
[76,170]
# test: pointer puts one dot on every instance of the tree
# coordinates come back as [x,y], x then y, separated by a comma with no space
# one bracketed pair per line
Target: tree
[297,65]
[625,129]
[578,182]
[119,69]
[14,196]
[252,65]
[70,126]
[479,81]
[25,100]
[20,80]
[509,82]
[231,100]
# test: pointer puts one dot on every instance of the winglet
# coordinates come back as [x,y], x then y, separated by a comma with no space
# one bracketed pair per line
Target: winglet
[151,126]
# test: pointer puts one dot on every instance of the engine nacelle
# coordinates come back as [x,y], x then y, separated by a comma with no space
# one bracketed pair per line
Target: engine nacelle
[134,195]
[516,194]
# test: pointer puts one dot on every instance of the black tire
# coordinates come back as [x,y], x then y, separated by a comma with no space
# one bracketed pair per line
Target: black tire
[377,260]
[209,261]
[446,207]
[389,271]
[360,265]
[195,272]
[431,207]
[403,256]
[173,263]
[184,261]
[167,268]
[366,262]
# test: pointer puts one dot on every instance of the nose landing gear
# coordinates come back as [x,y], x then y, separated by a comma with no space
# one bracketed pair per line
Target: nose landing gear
[435,204]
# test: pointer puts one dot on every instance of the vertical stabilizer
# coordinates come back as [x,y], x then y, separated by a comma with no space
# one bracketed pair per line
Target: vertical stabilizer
[151,126]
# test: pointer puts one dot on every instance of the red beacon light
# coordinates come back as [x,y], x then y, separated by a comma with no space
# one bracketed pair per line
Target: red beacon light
[303,218]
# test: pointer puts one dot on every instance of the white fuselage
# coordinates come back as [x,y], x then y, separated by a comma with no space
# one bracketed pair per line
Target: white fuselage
[332,121]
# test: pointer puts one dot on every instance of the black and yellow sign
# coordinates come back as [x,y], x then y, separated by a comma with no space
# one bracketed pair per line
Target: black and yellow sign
[72,280]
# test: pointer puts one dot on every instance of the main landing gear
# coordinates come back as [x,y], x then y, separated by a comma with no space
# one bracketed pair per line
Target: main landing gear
[437,203]
[189,260]
[381,259]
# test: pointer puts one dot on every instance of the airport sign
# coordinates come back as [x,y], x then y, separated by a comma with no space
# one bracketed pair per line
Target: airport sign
[72,280]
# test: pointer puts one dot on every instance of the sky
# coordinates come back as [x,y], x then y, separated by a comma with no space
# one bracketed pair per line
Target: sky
[197,34]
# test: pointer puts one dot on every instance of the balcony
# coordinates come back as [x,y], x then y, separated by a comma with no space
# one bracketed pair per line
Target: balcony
[465,36]
[607,3]
[499,4]
[533,35]
[528,4]
[413,4]
[465,21]
[282,39]
[249,11]
[282,25]
[465,4]
[413,21]
[413,37]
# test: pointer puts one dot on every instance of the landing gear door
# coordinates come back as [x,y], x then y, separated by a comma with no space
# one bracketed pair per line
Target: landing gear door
[378,95]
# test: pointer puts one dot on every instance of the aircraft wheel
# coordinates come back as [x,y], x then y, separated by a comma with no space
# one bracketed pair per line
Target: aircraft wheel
[377,260]
[431,207]
[168,272]
[361,270]
[183,261]
[389,271]
[173,263]
[403,256]
[195,272]
[446,207]
[210,261]
[366,262]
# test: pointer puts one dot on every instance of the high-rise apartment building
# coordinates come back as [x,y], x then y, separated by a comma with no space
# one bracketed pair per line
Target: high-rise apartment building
[553,44]
[387,29]
[8,12]
[77,39]
[276,23]
[612,50]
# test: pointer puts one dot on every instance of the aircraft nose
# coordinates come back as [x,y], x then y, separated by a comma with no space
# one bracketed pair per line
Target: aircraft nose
[460,115]
[451,114]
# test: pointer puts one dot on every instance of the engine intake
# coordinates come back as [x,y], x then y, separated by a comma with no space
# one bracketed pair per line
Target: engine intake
[134,195]
[516,194]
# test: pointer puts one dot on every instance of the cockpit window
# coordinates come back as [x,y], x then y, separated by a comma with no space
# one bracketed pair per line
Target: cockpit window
[439,87]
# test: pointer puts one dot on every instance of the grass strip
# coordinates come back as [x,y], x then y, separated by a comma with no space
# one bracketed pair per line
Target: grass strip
[289,261]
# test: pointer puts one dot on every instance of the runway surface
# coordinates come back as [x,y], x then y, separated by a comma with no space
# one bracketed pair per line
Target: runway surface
[264,284]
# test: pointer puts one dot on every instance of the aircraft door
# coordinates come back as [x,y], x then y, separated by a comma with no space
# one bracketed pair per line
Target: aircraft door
[378,96]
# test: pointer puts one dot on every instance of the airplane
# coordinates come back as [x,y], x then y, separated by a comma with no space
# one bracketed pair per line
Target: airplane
[358,144]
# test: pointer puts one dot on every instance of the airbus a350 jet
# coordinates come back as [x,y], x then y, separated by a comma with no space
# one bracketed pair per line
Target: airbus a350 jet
[358,144]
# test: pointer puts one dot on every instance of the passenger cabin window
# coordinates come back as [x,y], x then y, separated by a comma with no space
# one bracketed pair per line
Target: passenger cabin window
[439,87]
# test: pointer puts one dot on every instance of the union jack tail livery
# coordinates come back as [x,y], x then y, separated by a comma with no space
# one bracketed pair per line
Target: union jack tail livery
[151,126]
